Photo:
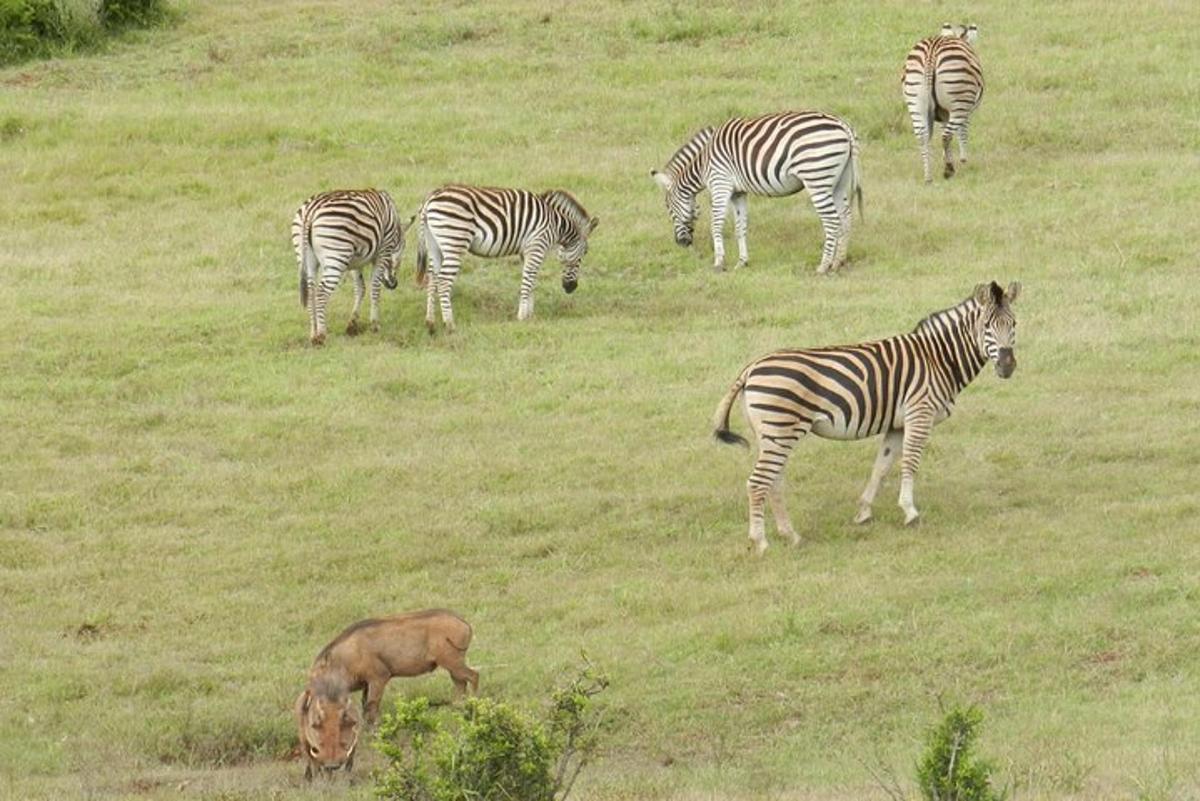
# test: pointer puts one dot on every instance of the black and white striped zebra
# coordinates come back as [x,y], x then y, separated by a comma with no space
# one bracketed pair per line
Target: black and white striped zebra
[340,231]
[774,155]
[943,81]
[899,387]
[487,221]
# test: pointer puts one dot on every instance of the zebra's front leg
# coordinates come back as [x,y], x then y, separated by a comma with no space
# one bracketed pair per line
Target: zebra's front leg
[352,328]
[917,425]
[741,225]
[720,199]
[532,262]
[889,449]
[831,224]
[783,523]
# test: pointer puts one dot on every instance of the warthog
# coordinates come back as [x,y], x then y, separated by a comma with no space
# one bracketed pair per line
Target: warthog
[365,657]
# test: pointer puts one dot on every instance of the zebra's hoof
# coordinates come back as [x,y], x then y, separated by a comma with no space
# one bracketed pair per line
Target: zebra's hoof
[742,265]
[430,327]
[374,328]
[913,521]
[757,547]
[949,171]
[718,268]
[864,516]
[318,340]
[353,329]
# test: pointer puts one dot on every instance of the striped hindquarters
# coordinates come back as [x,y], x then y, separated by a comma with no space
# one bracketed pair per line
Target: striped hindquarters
[942,76]
[780,154]
[346,227]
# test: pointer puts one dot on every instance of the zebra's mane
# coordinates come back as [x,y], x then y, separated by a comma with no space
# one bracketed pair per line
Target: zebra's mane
[931,320]
[565,204]
[689,150]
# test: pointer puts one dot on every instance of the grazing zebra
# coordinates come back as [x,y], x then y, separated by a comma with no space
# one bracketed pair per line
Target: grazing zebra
[498,222]
[774,155]
[943,81]
[334,232]
[899,387]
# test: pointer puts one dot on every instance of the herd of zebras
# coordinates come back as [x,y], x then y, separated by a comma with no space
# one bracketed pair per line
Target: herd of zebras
[899,387]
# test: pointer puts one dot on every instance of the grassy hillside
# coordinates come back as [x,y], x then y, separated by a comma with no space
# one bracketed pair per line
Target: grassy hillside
[193,501]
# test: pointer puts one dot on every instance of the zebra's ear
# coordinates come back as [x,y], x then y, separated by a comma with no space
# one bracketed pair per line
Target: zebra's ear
[1012,293]
[983,294]
[971,34]
[948,29]
[592,223]
[661,178]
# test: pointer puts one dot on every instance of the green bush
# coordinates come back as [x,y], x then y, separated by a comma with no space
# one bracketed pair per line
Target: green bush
[488,751]
[949,771]
[41,28]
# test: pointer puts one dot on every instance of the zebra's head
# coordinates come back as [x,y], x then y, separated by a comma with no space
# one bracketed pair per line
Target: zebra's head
[968,32]
[571,253]
[393,247]
[996,334]
[681,205]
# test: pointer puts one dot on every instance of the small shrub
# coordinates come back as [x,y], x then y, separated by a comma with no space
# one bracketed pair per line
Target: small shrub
[41,28]
[487,750]
[116,14]
[949,771]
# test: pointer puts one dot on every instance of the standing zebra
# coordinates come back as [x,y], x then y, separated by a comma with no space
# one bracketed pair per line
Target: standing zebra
[943,81]
[899,387]
[498,222]
[774,155]
[339,231]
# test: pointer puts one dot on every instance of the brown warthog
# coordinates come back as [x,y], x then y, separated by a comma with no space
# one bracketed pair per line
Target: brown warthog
[329,724]
[369,653]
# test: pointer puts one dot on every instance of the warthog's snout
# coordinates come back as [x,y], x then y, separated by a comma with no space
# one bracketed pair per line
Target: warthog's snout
[1006,363]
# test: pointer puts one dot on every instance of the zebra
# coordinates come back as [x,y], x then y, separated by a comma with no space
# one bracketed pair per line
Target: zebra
[489,221]
[899,387]
[339,231]
[943,81]
[773,155]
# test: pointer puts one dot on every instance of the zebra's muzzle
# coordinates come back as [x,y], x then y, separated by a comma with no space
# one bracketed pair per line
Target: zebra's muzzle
[683,240]
[570,286]
[1006,363]
[390,283]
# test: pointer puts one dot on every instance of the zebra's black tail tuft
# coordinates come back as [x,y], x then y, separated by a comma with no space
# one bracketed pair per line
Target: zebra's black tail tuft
[303,290]
[721,418]
[730,438]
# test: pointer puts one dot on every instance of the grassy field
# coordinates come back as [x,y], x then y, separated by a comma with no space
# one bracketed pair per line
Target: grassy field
[193,501]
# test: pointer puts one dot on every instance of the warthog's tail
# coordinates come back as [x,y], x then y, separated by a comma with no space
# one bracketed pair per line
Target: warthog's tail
[721,419]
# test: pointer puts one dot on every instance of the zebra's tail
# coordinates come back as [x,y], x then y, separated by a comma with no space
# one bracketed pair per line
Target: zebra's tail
[721,418]
[306,256]
[856,177]
[422,254]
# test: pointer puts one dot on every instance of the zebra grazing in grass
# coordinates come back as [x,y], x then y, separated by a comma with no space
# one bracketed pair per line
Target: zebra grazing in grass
[943,81]
[899,387]
[335,232]
[498,222]
[774,155]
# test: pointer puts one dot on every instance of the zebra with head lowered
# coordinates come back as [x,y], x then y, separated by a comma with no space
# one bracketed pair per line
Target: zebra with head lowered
[899,387]
[943,81]
[497,222]
[340,231]
[774,155]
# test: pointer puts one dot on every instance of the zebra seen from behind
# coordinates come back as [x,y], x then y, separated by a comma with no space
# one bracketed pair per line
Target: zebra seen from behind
[898,387]
[490,222]
[344,230]
[773,155]
[943,81]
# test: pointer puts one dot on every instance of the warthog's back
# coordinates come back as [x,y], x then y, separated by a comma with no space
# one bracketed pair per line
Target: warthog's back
[404,645]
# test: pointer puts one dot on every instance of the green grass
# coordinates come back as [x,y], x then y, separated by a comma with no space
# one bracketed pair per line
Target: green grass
[192,501]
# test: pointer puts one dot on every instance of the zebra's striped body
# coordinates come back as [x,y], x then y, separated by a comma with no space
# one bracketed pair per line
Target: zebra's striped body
[899,387]
[943,81]
[497,222]
[339,231]
[774,155]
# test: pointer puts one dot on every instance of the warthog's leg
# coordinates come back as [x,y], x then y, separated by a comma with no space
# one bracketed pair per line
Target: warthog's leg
[465,679]
[371,698]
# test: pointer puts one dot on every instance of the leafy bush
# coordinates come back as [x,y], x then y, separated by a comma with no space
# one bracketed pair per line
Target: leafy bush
[39,28]
[949,771]
[488,751]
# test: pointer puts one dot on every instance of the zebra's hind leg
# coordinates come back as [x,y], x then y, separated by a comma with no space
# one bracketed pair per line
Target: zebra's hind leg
[947,135]
[741,226]
[831,224]
[889,449]
[352,327]
[764,483]
[783,523]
